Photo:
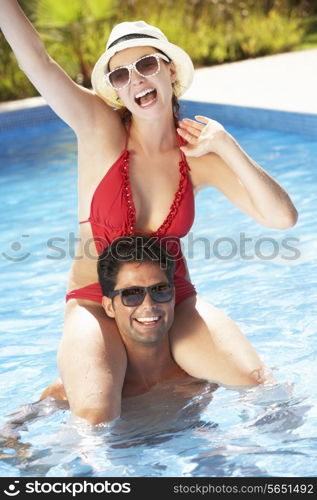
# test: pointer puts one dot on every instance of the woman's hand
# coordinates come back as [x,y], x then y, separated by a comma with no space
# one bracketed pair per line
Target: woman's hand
[203,136]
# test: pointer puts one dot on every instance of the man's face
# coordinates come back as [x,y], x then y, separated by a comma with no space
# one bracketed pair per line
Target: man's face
[149,322]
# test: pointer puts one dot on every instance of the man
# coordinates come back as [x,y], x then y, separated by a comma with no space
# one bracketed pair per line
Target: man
[136,277]
[137,283]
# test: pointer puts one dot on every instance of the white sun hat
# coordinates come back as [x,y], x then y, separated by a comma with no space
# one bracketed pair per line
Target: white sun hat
[140,34]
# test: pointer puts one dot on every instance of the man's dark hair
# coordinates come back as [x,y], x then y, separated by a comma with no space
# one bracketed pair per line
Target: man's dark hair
[138,248]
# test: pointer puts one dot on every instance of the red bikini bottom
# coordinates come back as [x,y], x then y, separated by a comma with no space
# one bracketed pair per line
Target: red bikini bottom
[183,290]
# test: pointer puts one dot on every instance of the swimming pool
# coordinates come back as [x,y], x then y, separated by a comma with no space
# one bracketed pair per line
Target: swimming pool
[264,279]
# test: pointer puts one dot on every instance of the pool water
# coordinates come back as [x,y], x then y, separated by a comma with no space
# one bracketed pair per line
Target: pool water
[264,279]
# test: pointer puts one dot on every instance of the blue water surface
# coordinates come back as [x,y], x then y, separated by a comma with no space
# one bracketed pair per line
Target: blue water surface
[264,279]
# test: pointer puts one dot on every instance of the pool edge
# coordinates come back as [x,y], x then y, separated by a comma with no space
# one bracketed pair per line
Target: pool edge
[38,112]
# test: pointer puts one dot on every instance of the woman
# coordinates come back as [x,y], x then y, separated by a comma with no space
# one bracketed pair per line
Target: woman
[134,176]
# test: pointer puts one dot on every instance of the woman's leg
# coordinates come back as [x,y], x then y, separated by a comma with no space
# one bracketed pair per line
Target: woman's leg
[207,344]
[92,362]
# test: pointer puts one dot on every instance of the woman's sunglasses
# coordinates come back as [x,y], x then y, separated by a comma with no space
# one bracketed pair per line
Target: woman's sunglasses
[134,296]
[146,66]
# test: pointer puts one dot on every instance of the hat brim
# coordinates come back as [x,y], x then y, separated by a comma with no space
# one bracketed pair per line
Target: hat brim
[183,65]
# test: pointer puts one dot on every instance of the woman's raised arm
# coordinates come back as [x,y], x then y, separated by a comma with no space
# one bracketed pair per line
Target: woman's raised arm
[76,105]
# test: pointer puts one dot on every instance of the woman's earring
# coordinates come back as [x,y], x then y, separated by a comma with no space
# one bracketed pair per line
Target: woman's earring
[119,102]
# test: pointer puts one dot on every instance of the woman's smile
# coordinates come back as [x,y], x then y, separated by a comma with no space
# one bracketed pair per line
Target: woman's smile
[146,97]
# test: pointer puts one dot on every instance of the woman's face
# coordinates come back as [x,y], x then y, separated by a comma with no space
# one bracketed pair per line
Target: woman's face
[159,86]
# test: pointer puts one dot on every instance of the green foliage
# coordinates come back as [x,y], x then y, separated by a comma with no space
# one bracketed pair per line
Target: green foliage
[52,14]
[211,31]
[222,30]
[309,40]
[75,32]
[268,35]
[13,83]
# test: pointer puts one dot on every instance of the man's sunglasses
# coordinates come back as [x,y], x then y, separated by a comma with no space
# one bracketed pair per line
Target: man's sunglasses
[134,295]
[146,66]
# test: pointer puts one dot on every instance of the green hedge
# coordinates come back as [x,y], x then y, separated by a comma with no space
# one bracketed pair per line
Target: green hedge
[211,31]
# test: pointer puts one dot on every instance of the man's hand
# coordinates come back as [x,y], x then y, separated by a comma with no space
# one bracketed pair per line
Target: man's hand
[55,390]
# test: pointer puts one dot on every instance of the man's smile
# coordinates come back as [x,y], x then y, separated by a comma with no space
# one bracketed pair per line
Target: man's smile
[148,320]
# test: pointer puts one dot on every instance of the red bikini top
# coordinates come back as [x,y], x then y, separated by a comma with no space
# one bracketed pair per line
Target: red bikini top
[112,211]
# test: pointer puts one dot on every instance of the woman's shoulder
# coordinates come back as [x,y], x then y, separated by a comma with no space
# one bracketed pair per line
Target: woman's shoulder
[101,113]
[105,127]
